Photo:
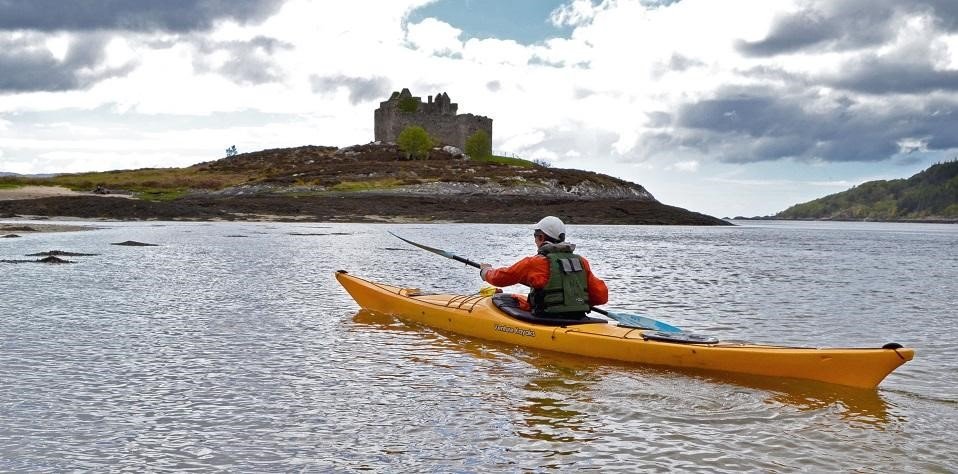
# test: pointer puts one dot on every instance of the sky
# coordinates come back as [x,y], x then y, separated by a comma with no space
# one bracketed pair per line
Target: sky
[732,107]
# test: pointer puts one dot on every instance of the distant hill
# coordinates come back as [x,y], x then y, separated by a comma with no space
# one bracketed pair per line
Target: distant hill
[929,195]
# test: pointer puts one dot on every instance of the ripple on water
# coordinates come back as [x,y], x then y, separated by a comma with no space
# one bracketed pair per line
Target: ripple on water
[243,354]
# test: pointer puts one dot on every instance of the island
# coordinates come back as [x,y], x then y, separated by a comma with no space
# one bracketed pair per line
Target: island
[375,182]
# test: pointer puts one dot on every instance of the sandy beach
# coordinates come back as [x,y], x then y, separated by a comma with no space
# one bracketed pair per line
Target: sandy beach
[36,192]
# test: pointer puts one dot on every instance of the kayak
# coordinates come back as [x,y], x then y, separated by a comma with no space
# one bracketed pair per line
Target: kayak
[485,317]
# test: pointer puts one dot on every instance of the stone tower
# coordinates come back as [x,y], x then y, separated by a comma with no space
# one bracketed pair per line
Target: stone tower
[439,117]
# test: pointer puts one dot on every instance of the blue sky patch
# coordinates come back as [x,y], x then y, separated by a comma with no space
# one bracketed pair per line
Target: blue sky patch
[525,22]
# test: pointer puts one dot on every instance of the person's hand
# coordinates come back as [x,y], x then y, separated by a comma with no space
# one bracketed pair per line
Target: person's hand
[483,268]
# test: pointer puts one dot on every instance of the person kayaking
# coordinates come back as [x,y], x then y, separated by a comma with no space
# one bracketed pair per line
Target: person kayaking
[561,283]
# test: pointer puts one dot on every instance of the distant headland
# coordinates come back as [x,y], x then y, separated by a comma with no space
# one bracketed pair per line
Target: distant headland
[928,196]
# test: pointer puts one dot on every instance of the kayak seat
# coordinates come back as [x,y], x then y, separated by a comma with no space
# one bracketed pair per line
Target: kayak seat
[507,304]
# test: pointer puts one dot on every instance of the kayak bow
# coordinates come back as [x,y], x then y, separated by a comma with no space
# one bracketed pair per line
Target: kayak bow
[477,316]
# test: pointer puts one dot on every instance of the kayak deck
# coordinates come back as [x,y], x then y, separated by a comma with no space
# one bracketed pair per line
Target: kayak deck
[477,316]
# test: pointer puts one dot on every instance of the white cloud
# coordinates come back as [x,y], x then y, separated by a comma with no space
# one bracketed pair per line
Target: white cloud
[58,45]
[686,166]
[949,53]
[432,36]
[496,51]
[574,13]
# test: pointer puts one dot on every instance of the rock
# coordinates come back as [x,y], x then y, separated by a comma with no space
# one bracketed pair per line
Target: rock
[133,243]
[453,151]
[18,228]
[51,259]
[61,253]
[330,233]
[10,236]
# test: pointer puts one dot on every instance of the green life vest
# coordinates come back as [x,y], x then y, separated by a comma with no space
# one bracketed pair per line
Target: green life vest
[566,293]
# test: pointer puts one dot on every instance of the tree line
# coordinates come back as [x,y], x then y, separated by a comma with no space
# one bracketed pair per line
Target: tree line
[932,193]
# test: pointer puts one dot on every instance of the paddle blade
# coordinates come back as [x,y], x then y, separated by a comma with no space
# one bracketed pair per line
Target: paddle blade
[641,322]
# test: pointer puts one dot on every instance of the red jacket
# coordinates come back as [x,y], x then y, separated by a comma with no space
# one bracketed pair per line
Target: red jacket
[534,272]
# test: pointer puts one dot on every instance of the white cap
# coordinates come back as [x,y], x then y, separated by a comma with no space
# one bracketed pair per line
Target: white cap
[551,226]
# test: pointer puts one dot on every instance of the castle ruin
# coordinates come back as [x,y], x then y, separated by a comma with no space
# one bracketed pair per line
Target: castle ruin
[438,117]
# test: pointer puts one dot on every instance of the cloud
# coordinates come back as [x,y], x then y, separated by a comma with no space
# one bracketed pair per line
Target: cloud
[574,13]
[432,36]
[27,64]
[875,75]
[131,15]
[686,166]
[246,62]
[360,89]
[496,51]
[847,25]
[62,46]
[753,125]
[570,139]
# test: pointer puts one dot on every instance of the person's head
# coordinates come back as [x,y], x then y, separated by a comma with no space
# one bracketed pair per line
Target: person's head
[549,229]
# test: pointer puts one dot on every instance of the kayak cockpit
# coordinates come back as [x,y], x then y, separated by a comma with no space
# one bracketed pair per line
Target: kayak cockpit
[508,305]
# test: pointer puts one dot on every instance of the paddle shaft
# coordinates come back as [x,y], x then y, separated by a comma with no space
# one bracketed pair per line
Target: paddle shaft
[466,261]
[438,251]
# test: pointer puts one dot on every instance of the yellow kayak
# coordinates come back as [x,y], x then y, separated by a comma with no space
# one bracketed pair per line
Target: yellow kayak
[478,316]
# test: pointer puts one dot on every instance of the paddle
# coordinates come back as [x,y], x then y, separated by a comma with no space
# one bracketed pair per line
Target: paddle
[637,321]
[437,251]
[624,319]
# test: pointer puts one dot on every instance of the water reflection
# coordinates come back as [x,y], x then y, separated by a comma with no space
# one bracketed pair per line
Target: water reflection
[563,382]
[550,402]
[853,405]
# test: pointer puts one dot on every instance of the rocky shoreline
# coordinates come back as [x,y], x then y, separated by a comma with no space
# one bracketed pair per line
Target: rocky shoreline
[364,207]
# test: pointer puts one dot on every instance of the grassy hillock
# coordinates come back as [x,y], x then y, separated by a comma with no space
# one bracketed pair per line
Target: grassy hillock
[148,183]
[930,194]
[325,169]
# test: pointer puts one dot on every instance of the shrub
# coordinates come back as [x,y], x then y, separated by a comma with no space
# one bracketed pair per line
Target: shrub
[231,151]
[478,145]
[414,141]
[408,104]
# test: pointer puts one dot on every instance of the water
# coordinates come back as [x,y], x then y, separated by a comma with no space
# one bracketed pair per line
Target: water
[231,347]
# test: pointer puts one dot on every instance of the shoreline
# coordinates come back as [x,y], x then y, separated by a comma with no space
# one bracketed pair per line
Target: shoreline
[365,207]
[31,227]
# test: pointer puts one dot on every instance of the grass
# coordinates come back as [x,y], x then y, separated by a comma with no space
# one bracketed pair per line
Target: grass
[162,194]
[367,185]
[161,184]
[166,184]
[505,160]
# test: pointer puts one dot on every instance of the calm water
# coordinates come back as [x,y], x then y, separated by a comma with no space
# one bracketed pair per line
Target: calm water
[231,347]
